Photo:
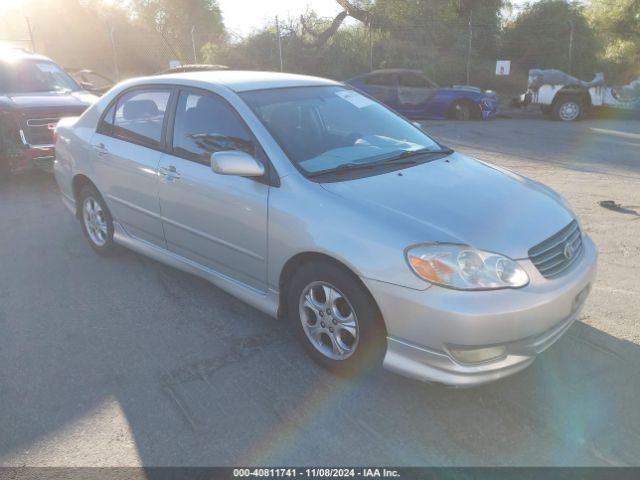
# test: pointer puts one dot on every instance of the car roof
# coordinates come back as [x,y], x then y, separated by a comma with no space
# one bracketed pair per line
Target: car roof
[243,81]
[11,54]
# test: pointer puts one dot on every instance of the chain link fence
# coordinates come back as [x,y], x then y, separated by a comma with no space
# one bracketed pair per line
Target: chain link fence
[467,57]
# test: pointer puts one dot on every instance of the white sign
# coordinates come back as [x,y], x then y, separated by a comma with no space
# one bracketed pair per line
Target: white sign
[174,63]
[503,67]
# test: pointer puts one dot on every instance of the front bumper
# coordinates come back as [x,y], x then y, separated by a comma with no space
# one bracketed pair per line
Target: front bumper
[39,156]
[489,108]
[423,325]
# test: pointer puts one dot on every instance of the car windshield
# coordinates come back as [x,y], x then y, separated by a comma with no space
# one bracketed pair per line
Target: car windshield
[29,76]
[329,128]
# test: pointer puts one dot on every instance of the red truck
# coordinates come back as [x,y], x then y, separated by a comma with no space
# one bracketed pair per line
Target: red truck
[34,94]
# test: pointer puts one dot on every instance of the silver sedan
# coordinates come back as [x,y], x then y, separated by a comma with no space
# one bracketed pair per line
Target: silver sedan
[313,202]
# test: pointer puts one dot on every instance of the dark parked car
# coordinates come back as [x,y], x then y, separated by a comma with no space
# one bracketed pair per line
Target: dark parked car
[415,96]
[34,94]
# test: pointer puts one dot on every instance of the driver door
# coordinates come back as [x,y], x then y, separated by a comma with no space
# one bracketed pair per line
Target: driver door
[217,221]
[414,92]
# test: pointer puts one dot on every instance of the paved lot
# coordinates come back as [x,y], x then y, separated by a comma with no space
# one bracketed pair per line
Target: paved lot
[123,361]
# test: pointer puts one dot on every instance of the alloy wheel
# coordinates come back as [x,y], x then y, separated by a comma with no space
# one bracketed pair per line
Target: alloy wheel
[329,320]
[95,221]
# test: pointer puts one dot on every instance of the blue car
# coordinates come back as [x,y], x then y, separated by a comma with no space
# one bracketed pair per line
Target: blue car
[415,96]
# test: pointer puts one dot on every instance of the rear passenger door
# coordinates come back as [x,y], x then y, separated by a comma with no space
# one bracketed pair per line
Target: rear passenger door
[218,221]
[127,147]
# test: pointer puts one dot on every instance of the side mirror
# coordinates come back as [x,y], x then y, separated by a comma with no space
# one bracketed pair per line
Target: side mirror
[236,162]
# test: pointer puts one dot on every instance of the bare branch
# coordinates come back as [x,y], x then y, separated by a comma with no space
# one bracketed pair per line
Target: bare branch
[356,12]
[322,37]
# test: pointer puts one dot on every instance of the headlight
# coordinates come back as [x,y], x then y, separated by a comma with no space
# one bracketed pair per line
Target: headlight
[465,268]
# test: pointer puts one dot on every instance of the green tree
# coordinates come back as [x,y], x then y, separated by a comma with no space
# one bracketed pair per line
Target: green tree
[540,37]
[617,23]
[175,19]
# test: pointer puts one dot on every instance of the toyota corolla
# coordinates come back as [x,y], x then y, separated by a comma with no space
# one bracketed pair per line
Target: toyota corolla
[317,204]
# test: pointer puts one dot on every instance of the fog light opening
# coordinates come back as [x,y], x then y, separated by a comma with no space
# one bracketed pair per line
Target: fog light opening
[477,355]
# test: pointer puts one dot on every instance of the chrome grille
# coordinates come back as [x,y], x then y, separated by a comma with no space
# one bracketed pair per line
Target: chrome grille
[558,252]
[37,131]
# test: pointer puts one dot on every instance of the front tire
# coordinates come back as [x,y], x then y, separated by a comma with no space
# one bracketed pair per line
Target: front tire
[96,221]
[568,109]
[463,111]
[335,318]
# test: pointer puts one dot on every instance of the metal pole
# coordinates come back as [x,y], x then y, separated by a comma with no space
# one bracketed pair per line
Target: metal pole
[370,46]
[279,44]
[115,53]
[469,47]
[193,44]
[33,43]
[572,25]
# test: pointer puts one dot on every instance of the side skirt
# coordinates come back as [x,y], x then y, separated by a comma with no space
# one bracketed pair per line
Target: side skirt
[266,302]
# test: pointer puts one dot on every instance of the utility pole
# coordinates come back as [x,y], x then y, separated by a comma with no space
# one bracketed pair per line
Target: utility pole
[193,44]
[469,46]
[571,32]
[115,54]
[370,45]
[279,44]
[33,43]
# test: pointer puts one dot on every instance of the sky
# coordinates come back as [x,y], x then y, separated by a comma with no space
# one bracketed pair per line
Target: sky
[243,16]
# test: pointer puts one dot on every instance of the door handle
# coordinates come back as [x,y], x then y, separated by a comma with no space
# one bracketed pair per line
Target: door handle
[100,149]
[170,172]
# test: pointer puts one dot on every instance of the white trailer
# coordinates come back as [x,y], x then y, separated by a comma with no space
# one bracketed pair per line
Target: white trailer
[567,98]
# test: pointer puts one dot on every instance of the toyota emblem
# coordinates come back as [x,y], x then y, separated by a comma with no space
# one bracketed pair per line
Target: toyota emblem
[569,251]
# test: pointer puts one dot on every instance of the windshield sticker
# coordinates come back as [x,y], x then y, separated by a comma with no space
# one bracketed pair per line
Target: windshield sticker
[47,67]
[354,98]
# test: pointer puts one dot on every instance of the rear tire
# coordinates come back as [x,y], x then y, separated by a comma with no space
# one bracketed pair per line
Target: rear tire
[96,221]
[568,109]
[335,318]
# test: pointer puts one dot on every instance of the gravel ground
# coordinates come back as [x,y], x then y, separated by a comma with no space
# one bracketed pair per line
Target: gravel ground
[123,361]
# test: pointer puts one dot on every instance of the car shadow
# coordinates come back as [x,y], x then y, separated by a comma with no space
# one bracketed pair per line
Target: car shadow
[114,361]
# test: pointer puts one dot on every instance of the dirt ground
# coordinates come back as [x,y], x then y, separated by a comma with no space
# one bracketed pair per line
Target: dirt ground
[124,361]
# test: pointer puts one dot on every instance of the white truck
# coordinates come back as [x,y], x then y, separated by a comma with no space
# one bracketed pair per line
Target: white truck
[567,98]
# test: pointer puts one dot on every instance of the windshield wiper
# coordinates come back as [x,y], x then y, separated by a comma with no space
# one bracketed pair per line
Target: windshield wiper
[403,158]
[412,153]
[345,167]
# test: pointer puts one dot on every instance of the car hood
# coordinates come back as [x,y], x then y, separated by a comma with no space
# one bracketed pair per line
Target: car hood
[51,100]
[462,200]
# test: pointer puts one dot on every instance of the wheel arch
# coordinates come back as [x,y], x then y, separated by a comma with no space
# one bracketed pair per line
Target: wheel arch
[303,258]
[78,182]
[576,92]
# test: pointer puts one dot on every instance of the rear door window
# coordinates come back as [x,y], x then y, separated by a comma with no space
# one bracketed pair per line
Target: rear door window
[139,116]
[381,79]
